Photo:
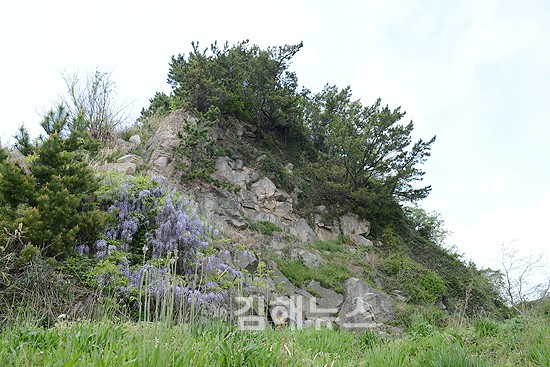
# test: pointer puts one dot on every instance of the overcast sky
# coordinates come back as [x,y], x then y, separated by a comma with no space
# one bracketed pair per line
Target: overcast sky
[474,73]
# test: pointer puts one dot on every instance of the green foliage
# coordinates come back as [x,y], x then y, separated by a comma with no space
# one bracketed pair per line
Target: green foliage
[408,314]
[264,227]
[331,275]
[243,81]
[428,225]
[107,343]
[23,141]
[29,253]
[422,285]
[368,143]
[330,246]
[197,149]
[54,197]
[486,327]
[160,105]
[455,356]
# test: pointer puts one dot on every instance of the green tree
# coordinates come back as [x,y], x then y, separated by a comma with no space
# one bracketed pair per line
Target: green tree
[431,226]
[160,104]
[243,81]
[196,146]
[23,141]
[54,197]
[368,143]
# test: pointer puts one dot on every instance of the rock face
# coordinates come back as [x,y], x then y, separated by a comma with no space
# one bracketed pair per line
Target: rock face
[326,298]
[161,145]
[259,199]
[357,229]
[363,306]
[263,188]
[225,170]
[303,231]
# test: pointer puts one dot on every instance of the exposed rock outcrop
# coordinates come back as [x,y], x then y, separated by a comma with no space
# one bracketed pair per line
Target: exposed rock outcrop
[259,199]
[363,306]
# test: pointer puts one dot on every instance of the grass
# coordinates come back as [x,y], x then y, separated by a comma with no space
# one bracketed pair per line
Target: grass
[112,341]
[331,275]
[108,343]
[263,226]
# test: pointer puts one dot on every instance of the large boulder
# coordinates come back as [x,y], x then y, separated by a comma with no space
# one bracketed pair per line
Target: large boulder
[232,171]
[131,158]
[363,306]
[303,231]
[128,168]
[326,298]
[263,188]
[324,231]
[351,224]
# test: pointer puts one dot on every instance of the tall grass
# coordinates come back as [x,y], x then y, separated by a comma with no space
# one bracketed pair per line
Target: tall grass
[109,343]
[175,333]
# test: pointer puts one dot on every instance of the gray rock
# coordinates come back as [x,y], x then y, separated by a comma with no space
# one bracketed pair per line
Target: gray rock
[228,207]
[303,231]
[278,245]
[326,232]
[135,139]
[281,209]
[244,259]
[225,257]
[131,158]
[236,164]
[122,168]
[239,224]
[351,224]
[362,241]
[327,298]
[263,188]
[378,243]
[161,162]
[224,171]
[400,295]
[363,306]
[307,258]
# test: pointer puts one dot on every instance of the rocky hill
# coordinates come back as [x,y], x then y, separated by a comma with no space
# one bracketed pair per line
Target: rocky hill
[259,223]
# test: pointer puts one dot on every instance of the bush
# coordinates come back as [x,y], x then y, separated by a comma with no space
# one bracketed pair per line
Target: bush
[422,285]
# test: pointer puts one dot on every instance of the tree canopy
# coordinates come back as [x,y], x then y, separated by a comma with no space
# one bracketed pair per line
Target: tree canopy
[368,142]
[243,80]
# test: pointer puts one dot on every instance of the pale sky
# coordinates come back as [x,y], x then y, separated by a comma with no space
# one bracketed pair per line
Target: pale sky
[474,73]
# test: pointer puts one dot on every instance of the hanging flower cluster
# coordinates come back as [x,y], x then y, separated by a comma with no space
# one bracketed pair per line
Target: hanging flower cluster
[150,222]
[146,215]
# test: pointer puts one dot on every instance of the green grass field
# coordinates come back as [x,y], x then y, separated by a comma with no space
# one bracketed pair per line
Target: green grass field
[520,341]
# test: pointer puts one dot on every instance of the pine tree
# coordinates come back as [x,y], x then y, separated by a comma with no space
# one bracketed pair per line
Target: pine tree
[54,197]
